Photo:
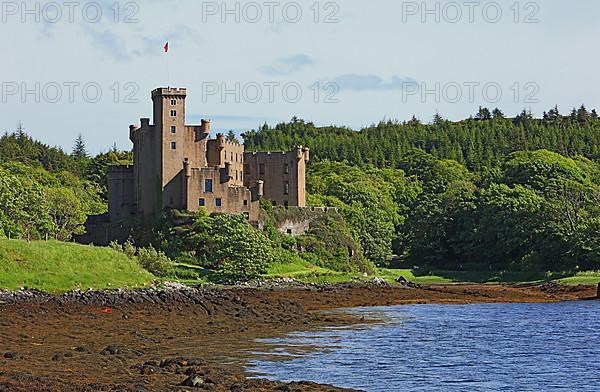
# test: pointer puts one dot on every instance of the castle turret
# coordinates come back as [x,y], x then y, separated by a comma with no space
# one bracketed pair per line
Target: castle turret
[303,153]
[205,127]
[306,152]
[227,172]
[221,141]
[132,130]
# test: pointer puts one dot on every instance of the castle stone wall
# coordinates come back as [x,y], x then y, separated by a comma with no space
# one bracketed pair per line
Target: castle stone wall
[283,174]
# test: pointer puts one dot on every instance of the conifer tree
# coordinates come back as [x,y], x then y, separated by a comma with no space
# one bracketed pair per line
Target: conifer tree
[231,137]
[79,150]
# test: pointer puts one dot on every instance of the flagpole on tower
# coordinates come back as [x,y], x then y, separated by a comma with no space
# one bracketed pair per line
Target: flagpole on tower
[166,48]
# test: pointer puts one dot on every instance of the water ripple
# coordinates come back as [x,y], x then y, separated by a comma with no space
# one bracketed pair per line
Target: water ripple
[490,347]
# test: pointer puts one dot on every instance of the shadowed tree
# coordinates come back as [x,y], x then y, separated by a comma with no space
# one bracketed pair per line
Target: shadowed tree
[231,137]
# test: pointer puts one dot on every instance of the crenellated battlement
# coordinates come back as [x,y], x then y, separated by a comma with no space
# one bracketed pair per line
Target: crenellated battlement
[169,92]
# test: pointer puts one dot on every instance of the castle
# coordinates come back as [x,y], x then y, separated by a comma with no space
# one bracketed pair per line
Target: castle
[178,166]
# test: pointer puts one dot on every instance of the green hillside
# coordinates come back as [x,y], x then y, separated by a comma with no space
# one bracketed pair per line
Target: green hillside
[54,266]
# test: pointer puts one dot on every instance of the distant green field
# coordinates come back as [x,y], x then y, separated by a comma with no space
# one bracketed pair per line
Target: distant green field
[306,272]
[585,278]
[309,273]
[55,267]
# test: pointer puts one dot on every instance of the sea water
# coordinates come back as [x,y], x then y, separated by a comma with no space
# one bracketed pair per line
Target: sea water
[485,347]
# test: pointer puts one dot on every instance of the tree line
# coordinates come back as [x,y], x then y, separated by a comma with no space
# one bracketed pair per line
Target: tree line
[48,193]
[489,192]
[483,140]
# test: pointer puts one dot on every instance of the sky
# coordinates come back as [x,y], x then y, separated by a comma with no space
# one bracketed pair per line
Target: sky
[89,67]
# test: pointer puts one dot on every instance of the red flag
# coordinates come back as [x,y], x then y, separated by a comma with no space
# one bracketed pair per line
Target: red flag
[166,48]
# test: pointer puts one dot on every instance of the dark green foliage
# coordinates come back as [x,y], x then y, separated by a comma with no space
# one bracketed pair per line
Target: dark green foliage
[227,244]
[18,147]
[487,193]
[373,201]
[79,150]
[97,170]
[476,142]
[185,273]
[37,204]
[543,216]
[237,250]
[330,244]
[329,241]
[231,137]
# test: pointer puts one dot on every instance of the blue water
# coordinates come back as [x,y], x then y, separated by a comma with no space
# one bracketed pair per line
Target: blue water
[491,347]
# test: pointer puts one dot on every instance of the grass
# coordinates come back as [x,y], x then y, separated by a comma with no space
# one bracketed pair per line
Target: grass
[486,276]
[390,275]
[57,267]
[309,273]
[585,278]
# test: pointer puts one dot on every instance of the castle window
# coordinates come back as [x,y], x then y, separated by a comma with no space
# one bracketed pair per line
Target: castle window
[245,202]
[173,145]
[286,169]
[261,168]
[218,202]
[231,157]
[202,202]
[286,204]
[173,102]
[208,185]
[173,128]
[286,188]
[247,215]
[173,113]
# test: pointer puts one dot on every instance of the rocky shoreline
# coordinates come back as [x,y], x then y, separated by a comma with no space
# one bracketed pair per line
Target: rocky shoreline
[168,292]
[182,338]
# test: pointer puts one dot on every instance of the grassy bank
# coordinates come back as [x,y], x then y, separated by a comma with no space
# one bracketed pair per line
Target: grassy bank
[309,273]
[582,278]
[56,267]
[53,266]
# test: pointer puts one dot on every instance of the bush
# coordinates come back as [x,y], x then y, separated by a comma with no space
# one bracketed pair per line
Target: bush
[239,251]
[155,262]
[185,274]
[129,249]
[330,242]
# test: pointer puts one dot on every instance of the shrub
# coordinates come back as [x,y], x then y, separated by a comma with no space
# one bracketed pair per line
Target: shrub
[155,262]
[127,248]
[239,251]
[185,274]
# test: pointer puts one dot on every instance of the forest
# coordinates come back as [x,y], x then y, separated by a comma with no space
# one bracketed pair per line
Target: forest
[487,193]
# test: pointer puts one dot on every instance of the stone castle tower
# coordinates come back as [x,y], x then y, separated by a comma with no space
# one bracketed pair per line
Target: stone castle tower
[179,166]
